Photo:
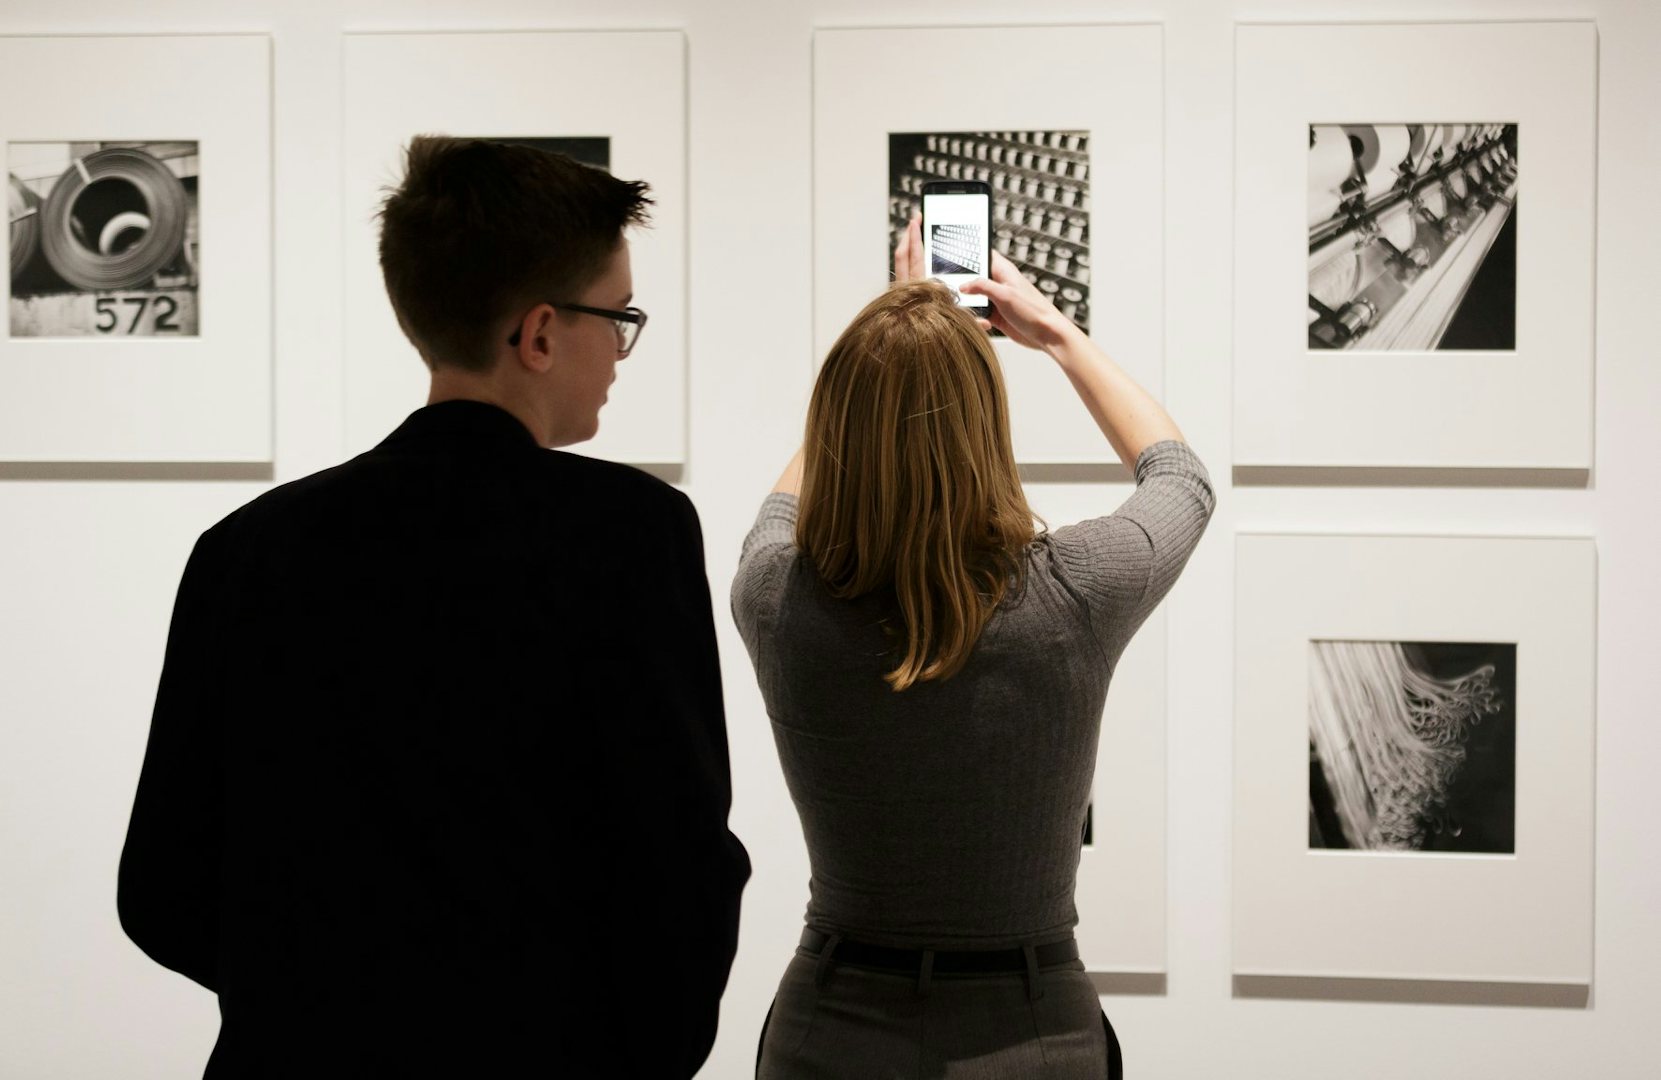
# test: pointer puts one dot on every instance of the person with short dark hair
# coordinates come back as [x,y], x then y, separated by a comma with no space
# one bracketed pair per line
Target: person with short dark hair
[437,778]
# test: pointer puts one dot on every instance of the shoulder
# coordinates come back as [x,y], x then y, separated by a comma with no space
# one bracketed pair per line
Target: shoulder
[613,486]
[1101,561]
[771,541]
[1095,540]
[578,481]
[605,475]
[640,524]
[281,503]
[379,508]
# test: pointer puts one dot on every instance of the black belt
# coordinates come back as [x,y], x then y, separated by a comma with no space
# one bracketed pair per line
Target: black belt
[946,961]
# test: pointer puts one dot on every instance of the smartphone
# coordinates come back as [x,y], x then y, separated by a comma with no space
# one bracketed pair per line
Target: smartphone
[957,234]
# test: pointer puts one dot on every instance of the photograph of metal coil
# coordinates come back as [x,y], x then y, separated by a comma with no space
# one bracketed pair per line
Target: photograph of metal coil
[1040,200]
[1412,746]
[104,239]
[592,150]
[1412,236]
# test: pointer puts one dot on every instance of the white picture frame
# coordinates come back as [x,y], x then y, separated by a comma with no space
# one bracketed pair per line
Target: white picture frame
[1107,80]
[1524,408]
[203,398]
[1431,917]
[522,85]
[1121,887]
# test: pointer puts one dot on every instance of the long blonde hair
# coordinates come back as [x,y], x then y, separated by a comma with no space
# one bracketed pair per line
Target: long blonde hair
[909,481]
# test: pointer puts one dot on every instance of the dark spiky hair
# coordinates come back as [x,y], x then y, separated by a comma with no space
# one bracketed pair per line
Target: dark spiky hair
[480,229]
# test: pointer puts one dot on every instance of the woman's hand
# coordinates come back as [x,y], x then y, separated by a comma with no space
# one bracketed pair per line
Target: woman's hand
[908,257]
[1020,311]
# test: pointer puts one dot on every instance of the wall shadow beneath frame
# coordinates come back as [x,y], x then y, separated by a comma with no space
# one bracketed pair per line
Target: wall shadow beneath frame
[1382,476]
[1146,983]
[136,470]
[670,472]
[1413,991]
[1083,472]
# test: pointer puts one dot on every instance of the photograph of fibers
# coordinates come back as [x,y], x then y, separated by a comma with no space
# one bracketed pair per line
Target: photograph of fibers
[1412,236]
[1412,746]
[104,239]
[1040,200]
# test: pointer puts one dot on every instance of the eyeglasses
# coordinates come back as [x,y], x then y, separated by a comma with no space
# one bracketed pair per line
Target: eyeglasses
[629,323]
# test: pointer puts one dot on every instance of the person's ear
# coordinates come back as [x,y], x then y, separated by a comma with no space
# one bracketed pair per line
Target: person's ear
[535,351]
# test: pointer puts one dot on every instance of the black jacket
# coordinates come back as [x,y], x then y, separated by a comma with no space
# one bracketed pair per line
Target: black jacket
[437,778]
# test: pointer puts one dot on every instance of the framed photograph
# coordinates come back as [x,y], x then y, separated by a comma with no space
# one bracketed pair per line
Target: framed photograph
[1413,746]
[591,150]
[105,239]
[1420,254]
[533,89]
[1443,326]
[1070,138]
[138,302]
[1121,874]
[1413,756]
[1040,204]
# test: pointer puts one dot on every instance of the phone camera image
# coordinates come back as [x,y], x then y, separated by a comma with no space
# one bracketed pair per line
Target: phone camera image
[957,249]
[957,233]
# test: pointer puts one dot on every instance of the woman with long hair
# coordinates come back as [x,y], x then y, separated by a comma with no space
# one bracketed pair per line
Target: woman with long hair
[935,669]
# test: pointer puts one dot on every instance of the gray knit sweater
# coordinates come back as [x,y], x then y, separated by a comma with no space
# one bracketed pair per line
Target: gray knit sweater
[949,815]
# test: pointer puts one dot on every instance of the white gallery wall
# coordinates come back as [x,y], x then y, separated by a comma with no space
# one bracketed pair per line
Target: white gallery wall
[89,559]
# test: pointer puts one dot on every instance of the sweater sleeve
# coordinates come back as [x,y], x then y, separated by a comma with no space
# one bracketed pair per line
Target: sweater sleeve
[768,550]
[1122,565]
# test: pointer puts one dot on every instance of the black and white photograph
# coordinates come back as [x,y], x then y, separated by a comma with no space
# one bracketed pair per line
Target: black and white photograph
[956,249]
[1412,237]
[104,239]
[1412,746]
[592,150]
[1040,200]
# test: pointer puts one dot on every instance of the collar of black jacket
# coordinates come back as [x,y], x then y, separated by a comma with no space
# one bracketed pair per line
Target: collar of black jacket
[469,422]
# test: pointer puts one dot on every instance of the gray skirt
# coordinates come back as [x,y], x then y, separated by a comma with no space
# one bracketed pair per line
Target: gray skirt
[862,1024]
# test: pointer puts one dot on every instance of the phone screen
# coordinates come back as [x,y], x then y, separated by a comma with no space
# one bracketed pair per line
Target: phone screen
[955,244]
